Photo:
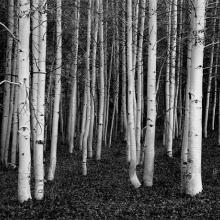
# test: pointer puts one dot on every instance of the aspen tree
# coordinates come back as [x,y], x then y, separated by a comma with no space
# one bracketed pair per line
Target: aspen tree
[35,67]
[124,97]
[39,145]
[15,98]
[7,86]
[149,141]
[131,121]
[53,151]
[108,91]
[210,72]
[73,98]
[93,83]
[215,78]
[193,179]
[24,170]
[172,78]
[139,79]
[101,91]
[167,83]
[12,63]
[86,104]
[185,140]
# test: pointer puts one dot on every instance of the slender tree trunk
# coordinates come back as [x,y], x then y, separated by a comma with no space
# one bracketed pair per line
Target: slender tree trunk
[185,140]
[87,94]
[172,78]
[194,180]
[210,72]
[216,81]
[39,145]
[7,86]
[139,81]
[151,96]
[131,120]
[167,83]
[35,29]
[101,92]
[53,151]
[24,170]
[93,83]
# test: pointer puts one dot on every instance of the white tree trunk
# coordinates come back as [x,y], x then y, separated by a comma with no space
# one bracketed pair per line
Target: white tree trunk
[172,79]
[53,152]
[24,170]
[151,96]
[35,67]
[39,145]
[167,83]
[131,120]
[139,81]
[101,91]
[93,83]
[194,180]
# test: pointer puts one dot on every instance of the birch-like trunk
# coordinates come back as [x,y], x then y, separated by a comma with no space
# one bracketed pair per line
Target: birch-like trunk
[167,83]
[73,98]
[210,72]
[101,91]
[93,83]
[194,180]
[131,120]
[24,170]
[172,78]
[87,95]
[58,67]
[149,142]
[139,80]
[185,141]
[39,145]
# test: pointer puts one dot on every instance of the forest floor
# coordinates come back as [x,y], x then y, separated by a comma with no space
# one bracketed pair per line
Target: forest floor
[106,192]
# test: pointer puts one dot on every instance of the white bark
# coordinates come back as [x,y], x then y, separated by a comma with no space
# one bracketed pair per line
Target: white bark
[39,145]
[35,65]
[131,120]
[194,180]
[139,81]
[167,83]
[93,83]
[172,78]
[24,170]
[53,152]
[101,91]
[149,142]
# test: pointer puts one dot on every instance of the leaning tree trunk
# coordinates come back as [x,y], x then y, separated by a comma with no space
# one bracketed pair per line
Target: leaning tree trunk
[194,180]
[24,170]
[53,152]
[151,96]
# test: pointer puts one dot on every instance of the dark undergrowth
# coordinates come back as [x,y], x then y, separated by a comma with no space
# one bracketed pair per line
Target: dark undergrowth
[106,192]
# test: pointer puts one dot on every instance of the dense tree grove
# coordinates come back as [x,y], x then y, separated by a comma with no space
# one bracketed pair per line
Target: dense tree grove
[82,74]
